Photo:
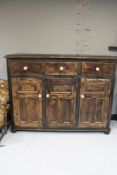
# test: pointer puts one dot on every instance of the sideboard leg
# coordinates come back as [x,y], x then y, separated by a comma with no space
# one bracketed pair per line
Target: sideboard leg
[107,132]
[13,130]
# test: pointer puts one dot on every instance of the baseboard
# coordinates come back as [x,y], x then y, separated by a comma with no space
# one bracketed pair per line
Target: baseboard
[114,117]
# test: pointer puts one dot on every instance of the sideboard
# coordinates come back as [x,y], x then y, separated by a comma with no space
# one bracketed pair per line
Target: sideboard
[61,92]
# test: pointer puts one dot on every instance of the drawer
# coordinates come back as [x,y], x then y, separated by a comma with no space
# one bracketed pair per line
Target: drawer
[24,68]
[62,68]
[97,69]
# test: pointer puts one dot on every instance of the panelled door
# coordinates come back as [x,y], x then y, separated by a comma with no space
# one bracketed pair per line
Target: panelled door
[60,102]
[27,102]
[94,103]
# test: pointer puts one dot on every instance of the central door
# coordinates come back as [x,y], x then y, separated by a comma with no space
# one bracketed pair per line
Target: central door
[60,102]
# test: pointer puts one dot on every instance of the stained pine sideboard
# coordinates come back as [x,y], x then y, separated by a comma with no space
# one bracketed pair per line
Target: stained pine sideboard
[61,92]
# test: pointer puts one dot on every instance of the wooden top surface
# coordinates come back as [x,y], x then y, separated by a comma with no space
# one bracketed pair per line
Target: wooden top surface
[55,56]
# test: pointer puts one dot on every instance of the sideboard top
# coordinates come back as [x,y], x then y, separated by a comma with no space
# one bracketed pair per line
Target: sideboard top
[57,56]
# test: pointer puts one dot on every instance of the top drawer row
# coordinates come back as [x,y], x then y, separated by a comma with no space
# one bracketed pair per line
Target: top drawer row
[64,68]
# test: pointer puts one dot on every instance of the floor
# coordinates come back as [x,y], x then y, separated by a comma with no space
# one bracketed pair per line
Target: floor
[28,153]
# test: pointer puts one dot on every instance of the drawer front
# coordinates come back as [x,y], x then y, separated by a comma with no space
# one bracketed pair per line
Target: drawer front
[97,69]
[25,68]
[69,68]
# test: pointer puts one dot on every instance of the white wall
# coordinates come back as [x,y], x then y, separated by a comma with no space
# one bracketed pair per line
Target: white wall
[49,26]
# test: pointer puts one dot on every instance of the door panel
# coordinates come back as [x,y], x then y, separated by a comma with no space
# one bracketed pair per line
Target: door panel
[26,102]
[60,102]
[94,103]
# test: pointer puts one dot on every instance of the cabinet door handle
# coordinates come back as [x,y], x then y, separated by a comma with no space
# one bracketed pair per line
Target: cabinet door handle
[48,95]
[25,68]
[97,69]
[39,95]
[82,96]
[61,68]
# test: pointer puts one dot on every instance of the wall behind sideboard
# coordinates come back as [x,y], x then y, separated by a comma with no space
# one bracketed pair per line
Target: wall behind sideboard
[49,26]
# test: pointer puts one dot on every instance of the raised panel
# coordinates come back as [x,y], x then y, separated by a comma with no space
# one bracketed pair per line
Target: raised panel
[61,103]
[27,104]
[94,103]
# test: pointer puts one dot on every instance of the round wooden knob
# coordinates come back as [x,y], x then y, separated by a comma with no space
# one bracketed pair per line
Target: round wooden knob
[25,68]
[39,95]
[48,95]
[82,96]
[61,68]
[97,69]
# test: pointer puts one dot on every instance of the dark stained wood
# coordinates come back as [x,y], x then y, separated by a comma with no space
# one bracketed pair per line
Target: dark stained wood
[17,68]
[76,98]
[62,68]
[112,48]
[94,103]
[61,102]
[97,69]
[62,56]
[27,104]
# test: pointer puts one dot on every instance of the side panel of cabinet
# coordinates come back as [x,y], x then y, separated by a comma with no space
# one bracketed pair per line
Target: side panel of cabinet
[27,106]
[94,103]
[60,102]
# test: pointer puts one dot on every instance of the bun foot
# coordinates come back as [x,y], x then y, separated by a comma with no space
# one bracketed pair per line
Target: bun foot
[13,130]
[107,132]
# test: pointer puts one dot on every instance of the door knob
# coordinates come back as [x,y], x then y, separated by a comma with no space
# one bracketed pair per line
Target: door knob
[25,68]
[39,95]
[48,95]
[61,68]
[82,96]
[97,69]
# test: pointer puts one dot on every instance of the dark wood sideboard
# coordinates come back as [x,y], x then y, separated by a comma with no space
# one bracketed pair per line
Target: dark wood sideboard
[61,92]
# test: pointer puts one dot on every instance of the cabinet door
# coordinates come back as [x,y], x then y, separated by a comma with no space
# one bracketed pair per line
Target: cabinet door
[94,103]
[27,104]
[60,102]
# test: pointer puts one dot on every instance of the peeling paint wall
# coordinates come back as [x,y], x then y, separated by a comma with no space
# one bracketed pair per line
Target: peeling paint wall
[65,26]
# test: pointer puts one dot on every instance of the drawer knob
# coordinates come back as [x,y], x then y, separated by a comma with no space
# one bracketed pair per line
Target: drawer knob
[82,96]
[25,68]
[61,68]
[97,69]
[48,95]
[39,95]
